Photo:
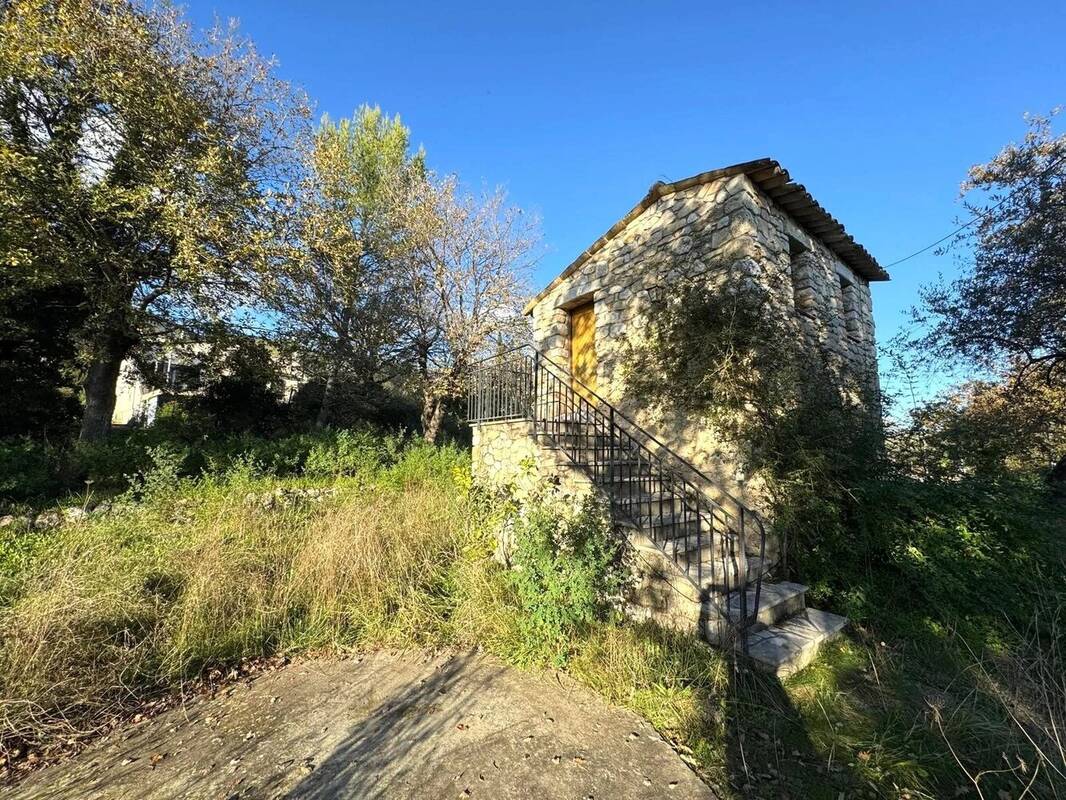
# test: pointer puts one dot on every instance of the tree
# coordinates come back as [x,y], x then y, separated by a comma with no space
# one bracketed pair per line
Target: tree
[1007,313]
[337,288]
[37,354]
[467,270]
[1010,307]
[985,429]
[242,385]
[135,164]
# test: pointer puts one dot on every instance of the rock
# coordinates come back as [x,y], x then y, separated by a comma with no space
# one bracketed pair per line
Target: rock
[48,519]
[74,514]
[8,520]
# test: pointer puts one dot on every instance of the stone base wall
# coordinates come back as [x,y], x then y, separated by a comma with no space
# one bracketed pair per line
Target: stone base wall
[506,457]
[660,592]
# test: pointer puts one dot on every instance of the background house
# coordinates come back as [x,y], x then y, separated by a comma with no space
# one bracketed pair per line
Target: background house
[177,371]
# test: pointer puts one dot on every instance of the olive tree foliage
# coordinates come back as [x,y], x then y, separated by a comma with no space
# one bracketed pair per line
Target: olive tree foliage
[337,286]
[1008,310]
[1006,315]
[467,275]
[136,161]
[986,429]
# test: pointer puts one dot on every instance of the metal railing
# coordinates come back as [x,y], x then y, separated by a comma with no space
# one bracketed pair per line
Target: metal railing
[643,478]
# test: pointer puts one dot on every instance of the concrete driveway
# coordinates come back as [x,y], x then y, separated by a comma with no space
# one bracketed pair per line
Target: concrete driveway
[382,725]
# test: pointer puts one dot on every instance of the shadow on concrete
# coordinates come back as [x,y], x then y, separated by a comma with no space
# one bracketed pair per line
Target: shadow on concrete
[375,758]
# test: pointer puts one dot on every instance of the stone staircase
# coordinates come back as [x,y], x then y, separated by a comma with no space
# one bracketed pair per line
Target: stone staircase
[783,634]
[787,635]
[706,565]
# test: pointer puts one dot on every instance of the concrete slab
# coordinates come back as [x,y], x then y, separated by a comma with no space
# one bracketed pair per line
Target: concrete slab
[383,725]
[789,646]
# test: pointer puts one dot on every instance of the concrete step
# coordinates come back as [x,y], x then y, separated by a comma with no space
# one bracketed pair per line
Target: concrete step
[787,647]
[777,602]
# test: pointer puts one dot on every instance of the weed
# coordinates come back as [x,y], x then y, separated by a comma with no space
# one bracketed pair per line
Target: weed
[569,567]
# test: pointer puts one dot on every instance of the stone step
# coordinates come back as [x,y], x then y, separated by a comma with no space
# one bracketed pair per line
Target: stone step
[777,602]
[683,517]
[740,568]
[787,647]
[685,542]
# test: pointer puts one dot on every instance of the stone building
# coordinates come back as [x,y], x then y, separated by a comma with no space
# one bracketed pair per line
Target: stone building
[747,222]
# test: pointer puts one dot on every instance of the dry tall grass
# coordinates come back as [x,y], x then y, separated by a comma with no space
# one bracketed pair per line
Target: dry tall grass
[97,617]
[1027,684]
[115,610]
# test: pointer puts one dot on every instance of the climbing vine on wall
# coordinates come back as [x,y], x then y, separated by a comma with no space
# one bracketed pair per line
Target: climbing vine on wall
[808,430]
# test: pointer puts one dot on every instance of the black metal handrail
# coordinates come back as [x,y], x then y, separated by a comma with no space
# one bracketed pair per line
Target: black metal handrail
[619,415]
[676,514]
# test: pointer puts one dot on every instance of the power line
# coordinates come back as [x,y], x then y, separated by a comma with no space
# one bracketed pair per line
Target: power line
[966,225]
[945,238]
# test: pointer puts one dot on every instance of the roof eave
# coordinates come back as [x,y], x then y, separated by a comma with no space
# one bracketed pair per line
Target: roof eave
[774,181]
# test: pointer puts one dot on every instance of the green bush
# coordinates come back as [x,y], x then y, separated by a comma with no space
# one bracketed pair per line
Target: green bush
[37,474]
[106,465]
[569,570]
[422,463]
[27,471]
[352,453]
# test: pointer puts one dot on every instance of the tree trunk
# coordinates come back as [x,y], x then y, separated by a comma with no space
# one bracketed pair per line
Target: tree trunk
[432,417]
[330,389]
[108,352]
[1057,476]
[326,409]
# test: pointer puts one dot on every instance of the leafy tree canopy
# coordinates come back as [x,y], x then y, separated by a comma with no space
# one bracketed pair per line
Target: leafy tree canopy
[135,163]
[336,288]
[1008,311]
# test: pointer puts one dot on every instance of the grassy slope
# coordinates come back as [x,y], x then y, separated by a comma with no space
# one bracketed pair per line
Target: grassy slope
[99,616]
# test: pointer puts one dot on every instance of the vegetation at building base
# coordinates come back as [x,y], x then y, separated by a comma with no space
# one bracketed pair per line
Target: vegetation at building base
[370,540]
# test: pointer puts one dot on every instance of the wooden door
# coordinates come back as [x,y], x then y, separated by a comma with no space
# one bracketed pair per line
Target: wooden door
[583,348]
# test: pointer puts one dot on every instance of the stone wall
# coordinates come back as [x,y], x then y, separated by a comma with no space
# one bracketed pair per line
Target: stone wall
[727,230]
[660,592]
[506,457]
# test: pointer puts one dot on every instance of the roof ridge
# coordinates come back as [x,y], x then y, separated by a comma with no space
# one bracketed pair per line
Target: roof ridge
[773,180]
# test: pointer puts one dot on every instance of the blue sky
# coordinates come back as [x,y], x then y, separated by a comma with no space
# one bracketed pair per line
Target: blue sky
[577,108]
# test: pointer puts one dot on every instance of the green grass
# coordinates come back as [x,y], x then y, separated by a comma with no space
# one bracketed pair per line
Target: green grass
[199,574]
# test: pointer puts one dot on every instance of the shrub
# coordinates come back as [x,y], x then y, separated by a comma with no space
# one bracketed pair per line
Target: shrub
[27,471]
[163,478]
[352,453]
[569,570]
[354,404]
[242,386]
[423,463]
[104,465]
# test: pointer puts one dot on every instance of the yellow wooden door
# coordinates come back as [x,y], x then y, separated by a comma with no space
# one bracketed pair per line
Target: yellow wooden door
[583,348]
